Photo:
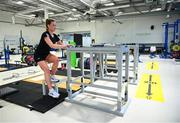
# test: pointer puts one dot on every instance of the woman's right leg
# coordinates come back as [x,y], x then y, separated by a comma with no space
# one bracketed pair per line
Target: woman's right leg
[46,70]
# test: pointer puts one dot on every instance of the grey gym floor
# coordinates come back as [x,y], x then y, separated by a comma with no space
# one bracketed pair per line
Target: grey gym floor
[138,111]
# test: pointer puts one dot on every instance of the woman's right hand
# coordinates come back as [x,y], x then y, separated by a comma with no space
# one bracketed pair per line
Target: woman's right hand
[63,46]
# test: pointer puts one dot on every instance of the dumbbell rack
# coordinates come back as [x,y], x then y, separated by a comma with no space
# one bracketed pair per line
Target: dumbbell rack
[97,53]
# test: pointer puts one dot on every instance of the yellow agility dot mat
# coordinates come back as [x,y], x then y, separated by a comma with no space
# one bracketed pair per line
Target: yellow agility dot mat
[150,88]
[152,65]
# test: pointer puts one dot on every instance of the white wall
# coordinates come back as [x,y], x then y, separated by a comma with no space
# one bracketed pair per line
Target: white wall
[31,34]
[77,27]
[132,30]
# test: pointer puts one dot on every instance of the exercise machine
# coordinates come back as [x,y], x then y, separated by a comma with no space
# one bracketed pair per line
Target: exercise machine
[6,52]
[97,53]
[134,68]
[175,41]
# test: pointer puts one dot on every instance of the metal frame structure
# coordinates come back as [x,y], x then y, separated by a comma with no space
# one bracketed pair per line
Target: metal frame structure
[176,34]
[135,47]
[97,53]
[6,52]
[176,31]
[34,11]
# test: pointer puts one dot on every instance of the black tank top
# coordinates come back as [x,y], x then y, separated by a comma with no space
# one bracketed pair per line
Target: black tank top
[43,48]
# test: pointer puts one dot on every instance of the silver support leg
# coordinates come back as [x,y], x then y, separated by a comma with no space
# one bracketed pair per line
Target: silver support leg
[126,75]
[56,88]
[95,64]
[44,88]
[101,65]
[69,79]
[82,71]
[137,61]
[105,63]
[99,59]
[119,60]
[91,68]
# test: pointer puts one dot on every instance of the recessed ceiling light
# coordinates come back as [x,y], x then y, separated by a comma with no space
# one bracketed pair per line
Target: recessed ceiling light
[120,12]
[109,4]
[105,14]
[51,13]
[125,6]
[20,2]
[32,15]
[74,9]
[77,15]
[157,9]
[70,18]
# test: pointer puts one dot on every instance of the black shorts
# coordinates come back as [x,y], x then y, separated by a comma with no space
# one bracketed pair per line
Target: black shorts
[40,57]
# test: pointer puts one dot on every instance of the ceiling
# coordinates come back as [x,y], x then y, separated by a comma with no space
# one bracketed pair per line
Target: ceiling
[36,11]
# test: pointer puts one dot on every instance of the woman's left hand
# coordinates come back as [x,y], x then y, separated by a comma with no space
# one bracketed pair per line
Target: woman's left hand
[69,45]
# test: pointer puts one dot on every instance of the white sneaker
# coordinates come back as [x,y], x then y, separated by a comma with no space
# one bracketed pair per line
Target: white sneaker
[54,79]
[53,93]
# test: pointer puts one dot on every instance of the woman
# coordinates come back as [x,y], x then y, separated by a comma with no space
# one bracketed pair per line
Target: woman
[43,56]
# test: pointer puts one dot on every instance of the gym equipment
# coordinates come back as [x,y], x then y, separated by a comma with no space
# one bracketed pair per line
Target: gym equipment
[75,73]
[175,50]
[175,47]
[175,40]
[97,53]
[23,59]
[145,48]
[6,52]
[113,68]
[12,51]
[25,49]
[134,48]
[21,41]
[28,50]
[28,59]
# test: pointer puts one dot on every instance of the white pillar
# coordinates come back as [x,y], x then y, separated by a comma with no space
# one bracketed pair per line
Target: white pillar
[46,13]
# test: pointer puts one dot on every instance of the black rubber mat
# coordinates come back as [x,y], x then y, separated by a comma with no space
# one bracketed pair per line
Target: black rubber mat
[29,95]
[7,91]
[75,73]
[46,103]
[12,66]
